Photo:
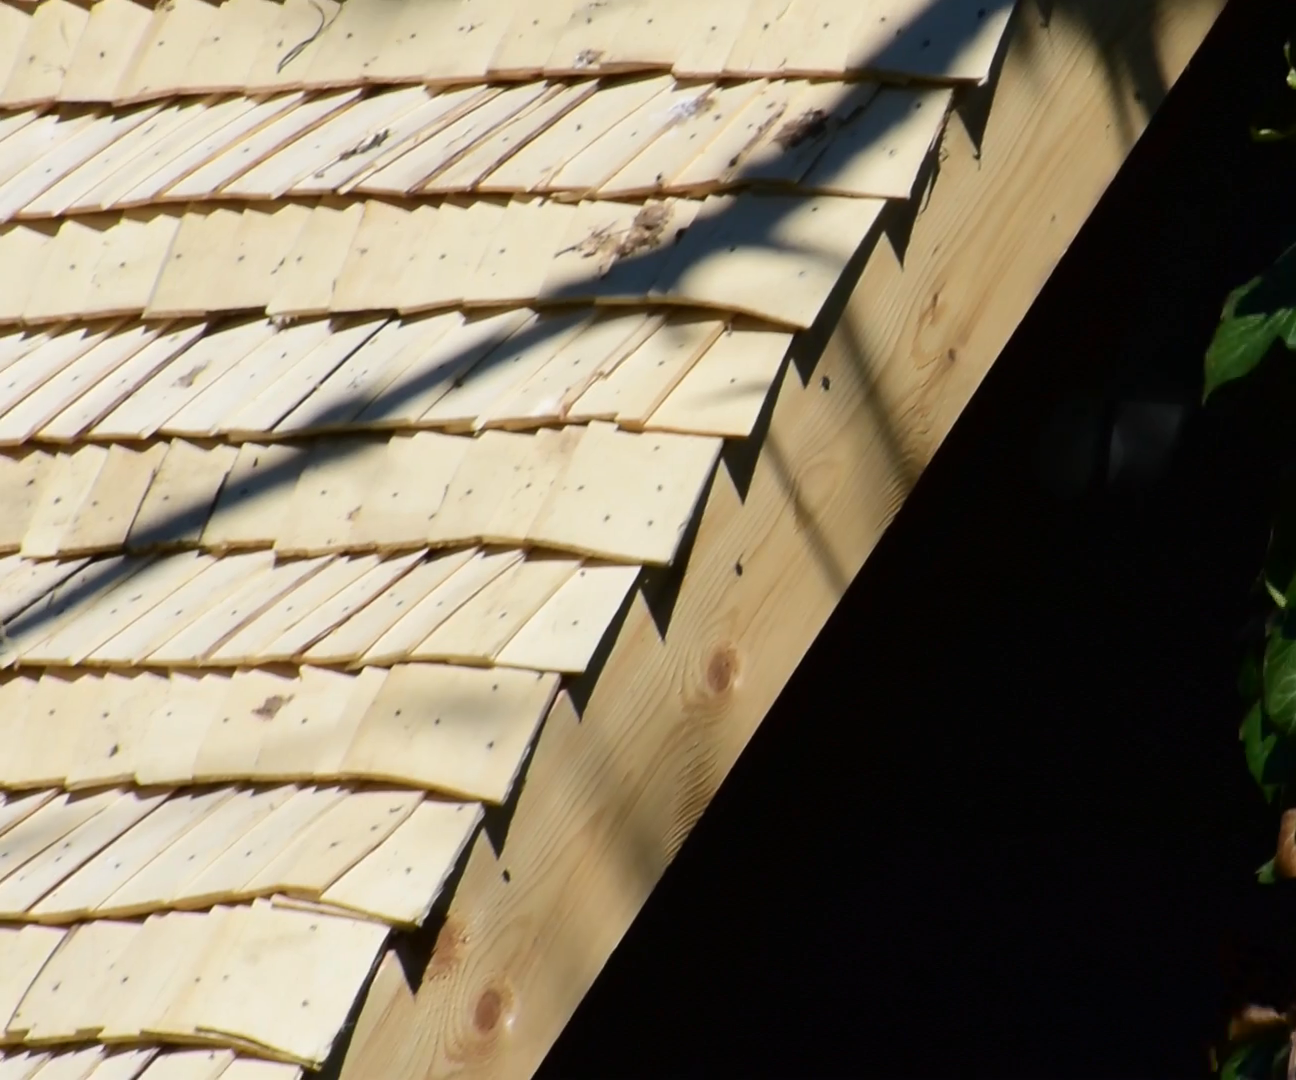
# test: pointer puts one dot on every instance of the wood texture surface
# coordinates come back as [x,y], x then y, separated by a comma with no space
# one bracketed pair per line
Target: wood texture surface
[613,791]
[451,370]
[192,46]
[264,960]
[775,257]
[78,729]
[355,495]
[261,682]
[585,138]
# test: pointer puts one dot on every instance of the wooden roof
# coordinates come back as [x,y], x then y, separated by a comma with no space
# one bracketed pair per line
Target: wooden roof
[365,367]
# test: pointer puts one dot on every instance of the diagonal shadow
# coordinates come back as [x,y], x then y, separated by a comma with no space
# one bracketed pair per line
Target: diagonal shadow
[656,266]
[1126,48]
[1128,59]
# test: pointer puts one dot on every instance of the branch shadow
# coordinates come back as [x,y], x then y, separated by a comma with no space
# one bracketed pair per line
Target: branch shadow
[659,266]
[1129,60]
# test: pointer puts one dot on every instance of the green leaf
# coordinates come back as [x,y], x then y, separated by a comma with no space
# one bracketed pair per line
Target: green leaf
[1280,680]
[1265,874]
[1258,744]
[1241,1064]
[1291,71]
[1255,316]
[1263,1059]
[1270,758]
[1273,134]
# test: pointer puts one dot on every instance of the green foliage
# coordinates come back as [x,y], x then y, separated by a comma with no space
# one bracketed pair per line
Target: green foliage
[1267,680]
[1280,679]
[1270,134]
[1267,685]
[1256,316]
[1263,1059]
[1259,742]
[1262,312]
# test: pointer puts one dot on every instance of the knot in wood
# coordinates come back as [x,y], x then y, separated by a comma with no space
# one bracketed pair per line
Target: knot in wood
[491,1010]
[722,669]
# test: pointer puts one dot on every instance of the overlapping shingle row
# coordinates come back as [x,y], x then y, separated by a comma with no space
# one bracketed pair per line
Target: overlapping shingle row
[356,357]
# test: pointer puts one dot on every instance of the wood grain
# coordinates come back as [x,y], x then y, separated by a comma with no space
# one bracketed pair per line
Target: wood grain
[195,46]
[611,795]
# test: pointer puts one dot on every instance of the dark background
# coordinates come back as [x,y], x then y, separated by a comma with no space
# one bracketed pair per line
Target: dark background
[999,823]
